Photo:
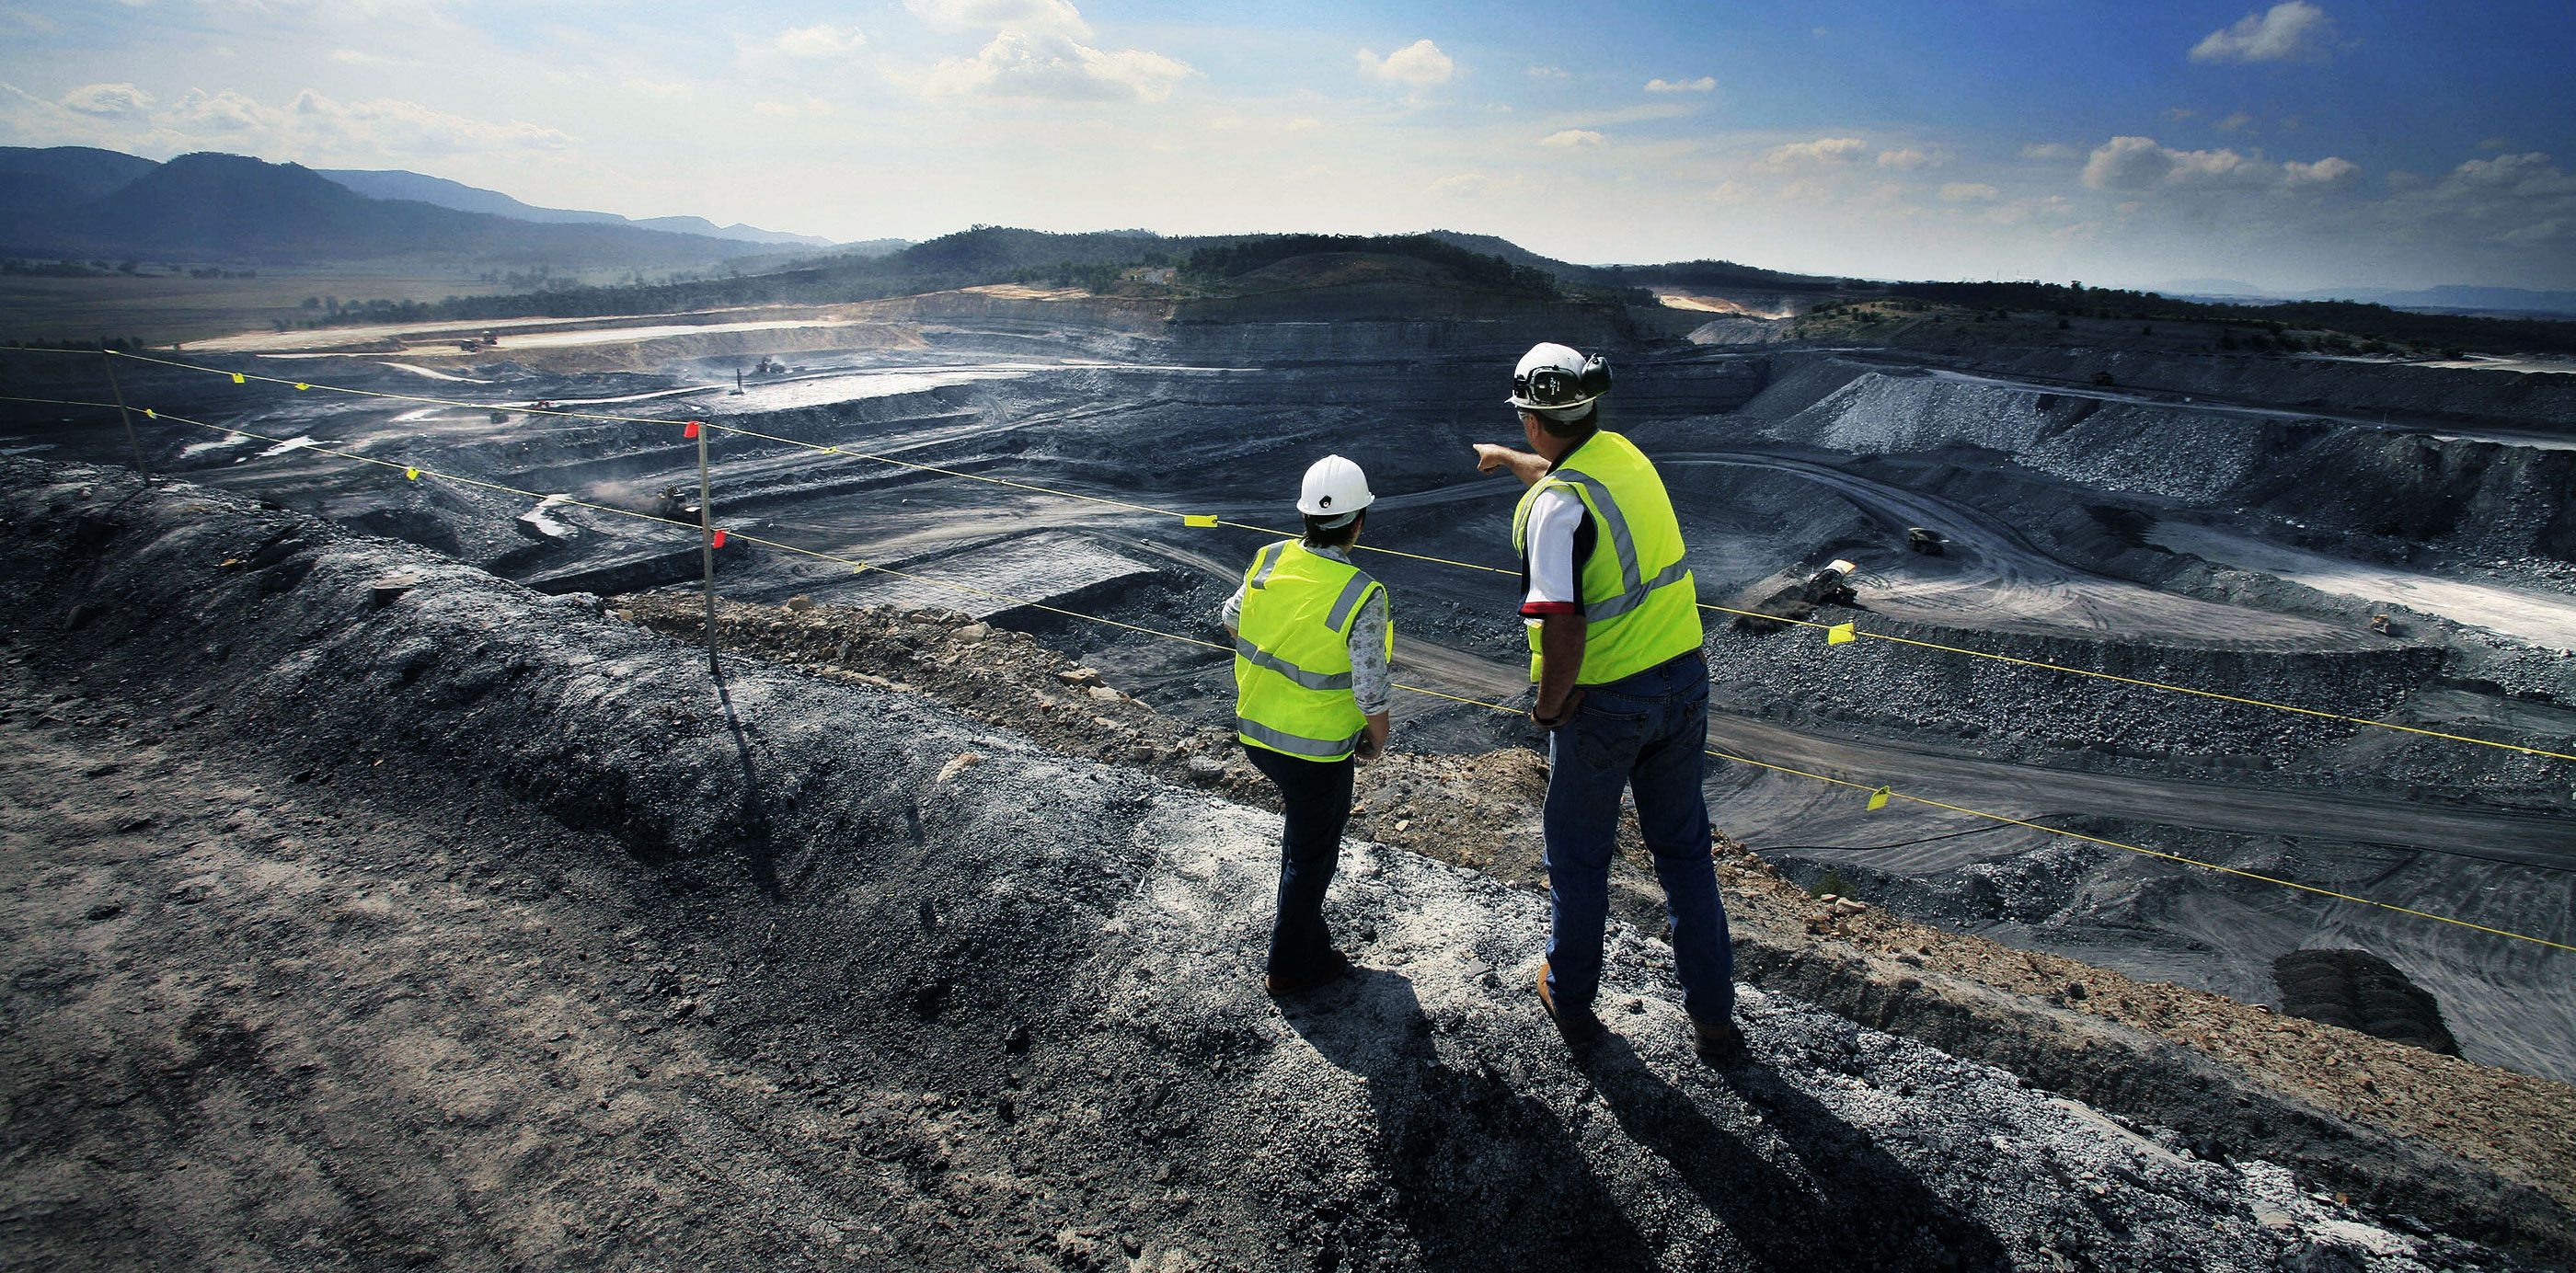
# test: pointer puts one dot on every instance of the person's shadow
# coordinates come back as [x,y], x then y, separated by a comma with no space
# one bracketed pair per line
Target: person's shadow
[753,830]
[1852,1207]
[1487,1177]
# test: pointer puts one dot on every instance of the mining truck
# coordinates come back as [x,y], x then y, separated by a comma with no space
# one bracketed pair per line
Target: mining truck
[1923,540]
[1830,586]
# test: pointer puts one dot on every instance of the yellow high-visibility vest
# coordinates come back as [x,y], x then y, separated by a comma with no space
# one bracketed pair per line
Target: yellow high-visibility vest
[1292,653]
[1639,602]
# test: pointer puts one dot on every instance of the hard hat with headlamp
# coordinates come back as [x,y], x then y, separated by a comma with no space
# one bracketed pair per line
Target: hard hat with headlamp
[1558,382]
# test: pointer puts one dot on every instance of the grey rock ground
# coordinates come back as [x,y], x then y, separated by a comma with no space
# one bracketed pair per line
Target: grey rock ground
[2072,509]
[893,1019]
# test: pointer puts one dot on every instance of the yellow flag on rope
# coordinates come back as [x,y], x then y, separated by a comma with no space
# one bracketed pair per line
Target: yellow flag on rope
[1839,634]
[1878,799]
[150,414]
[237,379]
[301,385]
[413,474]
[1198,519]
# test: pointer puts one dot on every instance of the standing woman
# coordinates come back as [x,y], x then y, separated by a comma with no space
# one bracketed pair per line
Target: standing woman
[1311,646]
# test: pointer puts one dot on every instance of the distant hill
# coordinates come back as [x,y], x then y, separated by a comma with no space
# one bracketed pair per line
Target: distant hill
[2450,297]
[33,180]
[1704,273]
[229,207]
[399,184]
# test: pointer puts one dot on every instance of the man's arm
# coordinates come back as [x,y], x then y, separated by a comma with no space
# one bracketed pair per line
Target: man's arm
[1525,466]
[1374,743]
[1560,661]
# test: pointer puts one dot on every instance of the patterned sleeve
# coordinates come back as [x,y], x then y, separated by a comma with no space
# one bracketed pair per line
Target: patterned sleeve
[1232,612]
[1371,684]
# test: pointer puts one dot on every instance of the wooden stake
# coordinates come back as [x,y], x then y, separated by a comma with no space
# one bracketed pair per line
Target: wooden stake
[707,547]
[108,361]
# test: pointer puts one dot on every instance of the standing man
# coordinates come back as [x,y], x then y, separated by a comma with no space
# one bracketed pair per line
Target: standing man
[1311,647]
[1614,633]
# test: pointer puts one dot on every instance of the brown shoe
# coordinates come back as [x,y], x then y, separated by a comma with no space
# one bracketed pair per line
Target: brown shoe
[1717,1042]
[1576,1024]
[1333,970]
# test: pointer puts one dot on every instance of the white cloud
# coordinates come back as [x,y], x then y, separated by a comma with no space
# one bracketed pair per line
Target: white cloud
[1910,159]
[1549,73]
[109,101]
[2293,31]
[406,128]
[360,57]
[2127,163]
[1968,192]
[1056,17]
[1573,139]
[2494,143]
[1035,64]
[1704,84]
[311,128]
[657,88]
[2138,163]
[2329,173]
[1823,150]
[2050,152]
[1465,183]
[1420,63]
[822,40]
[2234,121]
[806,105]
[2530,173]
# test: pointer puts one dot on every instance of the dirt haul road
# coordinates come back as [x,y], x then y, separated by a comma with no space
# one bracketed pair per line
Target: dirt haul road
[464,927]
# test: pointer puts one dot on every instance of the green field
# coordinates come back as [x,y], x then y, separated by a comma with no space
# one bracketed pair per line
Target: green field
[163,309]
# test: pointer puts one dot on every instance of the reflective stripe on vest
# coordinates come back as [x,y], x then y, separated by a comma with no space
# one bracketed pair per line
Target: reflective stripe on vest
[1292,667]
[1298,745]
[1634,620]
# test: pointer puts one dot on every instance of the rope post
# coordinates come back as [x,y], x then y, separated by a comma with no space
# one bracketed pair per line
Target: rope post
[707,543]
[108,361]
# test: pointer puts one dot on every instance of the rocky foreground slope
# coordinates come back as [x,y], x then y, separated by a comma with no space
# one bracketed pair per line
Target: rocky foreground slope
[368,922]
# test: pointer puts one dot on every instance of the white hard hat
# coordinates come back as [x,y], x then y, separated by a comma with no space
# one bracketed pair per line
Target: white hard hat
[1335,488]
[1557,381]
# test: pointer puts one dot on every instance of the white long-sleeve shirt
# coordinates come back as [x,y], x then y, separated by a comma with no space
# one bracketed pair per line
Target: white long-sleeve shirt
[1372,685]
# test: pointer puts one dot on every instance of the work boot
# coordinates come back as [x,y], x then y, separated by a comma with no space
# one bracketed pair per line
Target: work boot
[1577,1024]
[1717,1042]
[1334,967]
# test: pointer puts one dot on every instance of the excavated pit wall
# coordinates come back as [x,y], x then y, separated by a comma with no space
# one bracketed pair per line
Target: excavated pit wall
[2477,497]
[2017,712]
[2534,400]
[205,597]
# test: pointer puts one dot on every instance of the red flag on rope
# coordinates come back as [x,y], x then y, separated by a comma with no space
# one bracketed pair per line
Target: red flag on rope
[692,430]
[720,537]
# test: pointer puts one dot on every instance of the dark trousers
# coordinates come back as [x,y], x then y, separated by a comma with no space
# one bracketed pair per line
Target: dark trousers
[1644,734]
[1316,797]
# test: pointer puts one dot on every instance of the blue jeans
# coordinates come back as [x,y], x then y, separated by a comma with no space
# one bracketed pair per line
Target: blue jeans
[1315,804]
[1645,732]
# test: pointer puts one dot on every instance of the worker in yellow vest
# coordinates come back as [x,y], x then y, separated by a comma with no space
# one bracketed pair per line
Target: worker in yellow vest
[1614,636]
[1312,644]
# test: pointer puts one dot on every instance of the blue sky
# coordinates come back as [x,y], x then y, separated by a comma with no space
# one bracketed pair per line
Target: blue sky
[2304,144]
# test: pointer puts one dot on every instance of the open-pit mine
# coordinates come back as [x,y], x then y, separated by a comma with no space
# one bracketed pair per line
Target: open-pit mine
[2368,541]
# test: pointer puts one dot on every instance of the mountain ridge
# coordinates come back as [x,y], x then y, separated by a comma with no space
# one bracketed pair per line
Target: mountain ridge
[207,205]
